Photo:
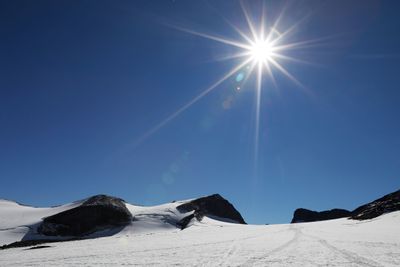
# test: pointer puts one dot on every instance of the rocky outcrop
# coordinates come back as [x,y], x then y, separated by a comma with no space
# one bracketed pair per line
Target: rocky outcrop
[184,223]
[29,243]
[212,206]
[305,215]
[385,204]
[96,213]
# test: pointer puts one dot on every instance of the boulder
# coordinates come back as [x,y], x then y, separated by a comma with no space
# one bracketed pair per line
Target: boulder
[212,206]
[96,213]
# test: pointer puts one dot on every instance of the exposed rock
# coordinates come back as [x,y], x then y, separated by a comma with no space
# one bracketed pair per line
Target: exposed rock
[96,213]
[39,247]
[213,206]
[304,215]
[186,220]
[28,243]
[385,204]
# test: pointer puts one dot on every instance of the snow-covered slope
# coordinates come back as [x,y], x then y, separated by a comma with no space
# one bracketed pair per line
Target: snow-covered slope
[103,215]
[340,242]
[16,220]
[151,239]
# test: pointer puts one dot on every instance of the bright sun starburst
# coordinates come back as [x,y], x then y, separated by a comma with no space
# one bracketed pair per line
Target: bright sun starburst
[262,50]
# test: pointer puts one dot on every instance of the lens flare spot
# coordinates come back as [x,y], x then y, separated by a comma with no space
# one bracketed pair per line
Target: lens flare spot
[240,77]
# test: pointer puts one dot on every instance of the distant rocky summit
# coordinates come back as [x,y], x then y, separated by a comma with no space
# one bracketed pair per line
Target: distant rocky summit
[212,206]
[96,213]
[102,212]
[103,215]
[385,204]
[305,215]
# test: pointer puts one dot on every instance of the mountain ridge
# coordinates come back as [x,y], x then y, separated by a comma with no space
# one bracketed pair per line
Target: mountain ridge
[102,215]
[388,203]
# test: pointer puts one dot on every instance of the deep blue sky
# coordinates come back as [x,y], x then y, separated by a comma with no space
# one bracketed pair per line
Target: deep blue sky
[82,81]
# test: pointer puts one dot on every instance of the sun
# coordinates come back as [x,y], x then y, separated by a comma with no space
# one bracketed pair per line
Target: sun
[261,52]
[265,45]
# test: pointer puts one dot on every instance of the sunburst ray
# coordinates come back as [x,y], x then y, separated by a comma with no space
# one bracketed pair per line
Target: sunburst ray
[263,47]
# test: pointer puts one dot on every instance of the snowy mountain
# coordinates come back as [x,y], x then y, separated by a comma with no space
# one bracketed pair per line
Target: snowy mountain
[213,235]
[102,215]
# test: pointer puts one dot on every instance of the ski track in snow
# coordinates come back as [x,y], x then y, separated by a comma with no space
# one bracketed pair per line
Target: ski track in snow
[264,257]
[295,251]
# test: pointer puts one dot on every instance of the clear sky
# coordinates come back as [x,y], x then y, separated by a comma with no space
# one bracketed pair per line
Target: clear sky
[82,82]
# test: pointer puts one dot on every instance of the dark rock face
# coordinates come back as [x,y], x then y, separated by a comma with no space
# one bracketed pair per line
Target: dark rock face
[39,247]
[28,243]
[385,204]
[186,220]
[304,215]
[96,213]
[213,205]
